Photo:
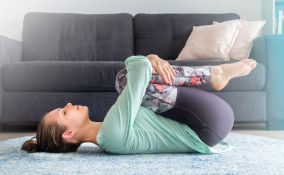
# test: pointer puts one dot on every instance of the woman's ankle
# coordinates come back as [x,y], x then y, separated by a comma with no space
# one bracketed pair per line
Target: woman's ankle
[218,81]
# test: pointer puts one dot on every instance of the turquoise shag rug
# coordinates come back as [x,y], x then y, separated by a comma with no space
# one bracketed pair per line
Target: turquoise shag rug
[251,155]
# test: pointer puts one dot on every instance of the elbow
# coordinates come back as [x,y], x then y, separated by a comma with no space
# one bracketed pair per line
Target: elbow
[146,64]
[139,62]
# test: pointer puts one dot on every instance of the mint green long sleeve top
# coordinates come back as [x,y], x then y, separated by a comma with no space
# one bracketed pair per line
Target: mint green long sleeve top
[130,128]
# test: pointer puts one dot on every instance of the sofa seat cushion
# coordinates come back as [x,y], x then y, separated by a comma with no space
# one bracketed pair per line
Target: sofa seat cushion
[96,76]
[57,76]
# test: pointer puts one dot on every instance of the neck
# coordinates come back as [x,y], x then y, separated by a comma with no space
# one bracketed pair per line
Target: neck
[91,132]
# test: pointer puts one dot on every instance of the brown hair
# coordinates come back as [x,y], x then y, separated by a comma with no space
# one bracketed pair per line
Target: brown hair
[49,139]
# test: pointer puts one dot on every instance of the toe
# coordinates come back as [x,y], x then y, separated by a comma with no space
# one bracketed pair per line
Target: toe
[251,62]
[247,61]
[253,65]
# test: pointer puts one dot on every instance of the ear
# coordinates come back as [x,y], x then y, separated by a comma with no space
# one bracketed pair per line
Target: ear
[69,136]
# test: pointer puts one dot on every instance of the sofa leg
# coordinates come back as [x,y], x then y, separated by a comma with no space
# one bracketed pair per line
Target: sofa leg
[275,124]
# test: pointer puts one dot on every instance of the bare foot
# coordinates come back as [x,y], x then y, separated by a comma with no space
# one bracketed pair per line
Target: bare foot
[223,73]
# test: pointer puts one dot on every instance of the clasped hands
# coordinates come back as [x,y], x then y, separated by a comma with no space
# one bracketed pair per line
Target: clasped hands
[162,67]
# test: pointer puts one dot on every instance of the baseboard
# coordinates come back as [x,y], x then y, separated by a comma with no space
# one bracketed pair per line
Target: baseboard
[275,125]
[249,125]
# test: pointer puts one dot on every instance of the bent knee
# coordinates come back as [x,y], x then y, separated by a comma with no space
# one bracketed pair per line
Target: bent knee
[221,119]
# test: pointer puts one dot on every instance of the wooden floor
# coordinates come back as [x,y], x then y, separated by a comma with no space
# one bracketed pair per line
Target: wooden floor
[258,129]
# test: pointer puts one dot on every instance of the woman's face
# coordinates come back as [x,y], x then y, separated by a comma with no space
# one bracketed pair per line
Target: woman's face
[74,117]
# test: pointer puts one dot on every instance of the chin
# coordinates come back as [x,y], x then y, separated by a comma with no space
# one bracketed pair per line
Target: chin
[87,110]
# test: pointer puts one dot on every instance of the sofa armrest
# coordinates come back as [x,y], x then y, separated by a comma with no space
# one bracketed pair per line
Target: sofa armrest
[10,51]
[269,50]
[259,50]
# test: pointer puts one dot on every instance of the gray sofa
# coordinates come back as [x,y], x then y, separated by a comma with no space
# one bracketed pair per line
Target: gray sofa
[66,57]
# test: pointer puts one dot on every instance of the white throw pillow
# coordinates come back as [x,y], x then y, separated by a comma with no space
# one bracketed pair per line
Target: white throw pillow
[211,42]
[244,41]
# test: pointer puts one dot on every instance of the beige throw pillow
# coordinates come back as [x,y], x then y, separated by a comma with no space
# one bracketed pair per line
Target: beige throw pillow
[211,42]
[244,41]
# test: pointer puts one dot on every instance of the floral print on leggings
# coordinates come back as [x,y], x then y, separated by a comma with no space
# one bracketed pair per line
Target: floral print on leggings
[160,96]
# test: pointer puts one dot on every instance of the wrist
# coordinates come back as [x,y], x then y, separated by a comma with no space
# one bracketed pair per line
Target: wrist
[151,55]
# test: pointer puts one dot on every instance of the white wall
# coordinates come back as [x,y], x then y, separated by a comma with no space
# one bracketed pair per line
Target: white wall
[12,11]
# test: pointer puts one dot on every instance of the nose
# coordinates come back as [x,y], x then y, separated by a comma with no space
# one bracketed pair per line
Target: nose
[68,105]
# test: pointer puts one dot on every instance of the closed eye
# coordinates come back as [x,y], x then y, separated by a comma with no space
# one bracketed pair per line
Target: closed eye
[63,111]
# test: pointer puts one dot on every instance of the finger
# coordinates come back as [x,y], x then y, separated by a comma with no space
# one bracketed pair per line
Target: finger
[172,77]
[170,73]
[167,74]
[153,71]
[172,69]
[162,73]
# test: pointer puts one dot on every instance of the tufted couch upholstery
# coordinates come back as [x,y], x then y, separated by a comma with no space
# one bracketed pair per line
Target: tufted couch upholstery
[65,57]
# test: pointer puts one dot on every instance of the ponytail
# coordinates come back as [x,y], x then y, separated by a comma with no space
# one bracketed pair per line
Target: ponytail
[31,146]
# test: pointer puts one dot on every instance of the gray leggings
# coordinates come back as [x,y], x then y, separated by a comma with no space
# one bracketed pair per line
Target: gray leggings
[208,115]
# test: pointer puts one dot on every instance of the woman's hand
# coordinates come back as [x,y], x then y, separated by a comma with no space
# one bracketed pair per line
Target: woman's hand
[162,67]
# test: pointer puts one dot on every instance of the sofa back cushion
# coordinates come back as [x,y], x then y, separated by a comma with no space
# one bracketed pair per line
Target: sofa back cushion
[166,34]
[77,37]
